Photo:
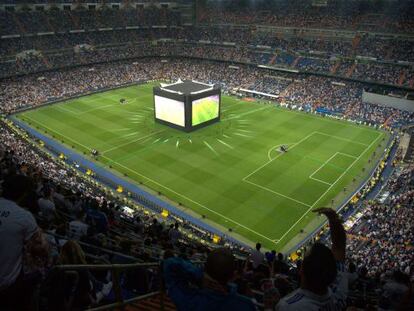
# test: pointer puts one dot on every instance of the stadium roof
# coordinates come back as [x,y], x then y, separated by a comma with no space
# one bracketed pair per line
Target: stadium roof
[187,86]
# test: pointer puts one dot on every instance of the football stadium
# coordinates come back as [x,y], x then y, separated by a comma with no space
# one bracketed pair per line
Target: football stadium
[207,155]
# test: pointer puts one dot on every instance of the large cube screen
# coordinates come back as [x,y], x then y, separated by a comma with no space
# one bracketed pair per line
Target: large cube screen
[169,110]
[205,109]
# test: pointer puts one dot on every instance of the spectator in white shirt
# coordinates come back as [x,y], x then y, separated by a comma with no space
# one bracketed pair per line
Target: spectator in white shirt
[46,205]
[78,228]
[323,281]
[256,256]
[19,233]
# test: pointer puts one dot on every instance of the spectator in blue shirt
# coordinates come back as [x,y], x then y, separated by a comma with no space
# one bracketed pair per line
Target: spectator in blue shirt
[191,289]
[97,217]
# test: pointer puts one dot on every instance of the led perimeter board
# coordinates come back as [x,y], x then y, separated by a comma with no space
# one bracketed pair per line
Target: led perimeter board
[187,105]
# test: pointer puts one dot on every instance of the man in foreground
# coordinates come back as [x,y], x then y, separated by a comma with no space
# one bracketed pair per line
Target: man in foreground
[323,281]
[19,237]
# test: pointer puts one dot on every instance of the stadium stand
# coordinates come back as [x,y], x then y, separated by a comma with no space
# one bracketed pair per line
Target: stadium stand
[70,243]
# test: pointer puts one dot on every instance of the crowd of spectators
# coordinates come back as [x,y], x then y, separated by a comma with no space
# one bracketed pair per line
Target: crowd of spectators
[332,97]
[96,47]
[352,15]
[73,210]
[62,20]
[51,214]
[373,72]
[55,210]
[368,45]
[382,237]
[307,93]
[68,38]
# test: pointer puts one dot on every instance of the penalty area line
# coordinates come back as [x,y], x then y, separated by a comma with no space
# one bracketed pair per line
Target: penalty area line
[277,193]
[330,187]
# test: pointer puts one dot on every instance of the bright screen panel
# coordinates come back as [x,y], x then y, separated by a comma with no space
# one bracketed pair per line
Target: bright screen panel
[169,110]
[205,109]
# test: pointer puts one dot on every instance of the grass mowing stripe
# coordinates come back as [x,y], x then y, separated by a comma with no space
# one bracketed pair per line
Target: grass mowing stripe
[225,144]
[211,148]
[236,116]
[132,141]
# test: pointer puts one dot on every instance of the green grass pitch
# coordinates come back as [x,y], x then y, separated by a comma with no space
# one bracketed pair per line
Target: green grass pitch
[231,171]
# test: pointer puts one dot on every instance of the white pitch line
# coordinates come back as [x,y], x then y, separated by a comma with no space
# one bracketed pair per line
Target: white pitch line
[119,130]
[191,200]
[341,138]
[95,108]
[324,163]
[146,139]
[242,135]
[65,109]
[273,148]
[321,181]
[268,162]
[347,123]
[177,143]
[166,140]
[327,190]
[225,144]
[278,193]
[246,131]
[49,129]
[127,135]
[211,148]
[157,140]
[190,141]
[245,113]
[132,141]
[348,155]
[226,136]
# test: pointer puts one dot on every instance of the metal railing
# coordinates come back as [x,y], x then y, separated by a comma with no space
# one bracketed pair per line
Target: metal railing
[116,270]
